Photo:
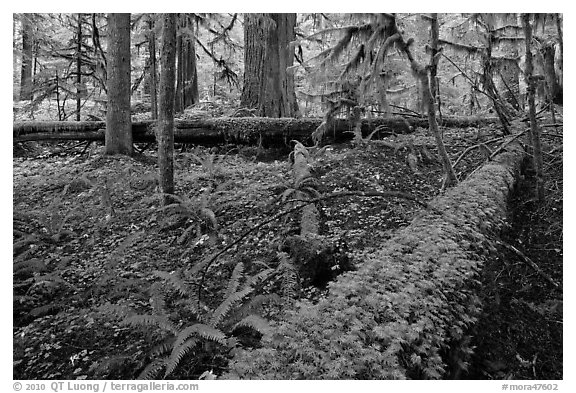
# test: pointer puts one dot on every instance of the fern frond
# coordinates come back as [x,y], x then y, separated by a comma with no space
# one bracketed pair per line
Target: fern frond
[147,320]
[153,369]
[234,280]
[29,266]
[288,274]
[115,311]
[178,353]
[258,278]
[163,348]
[201,330]
[255,323]
[226,306]
[174,280]
[157,299]
[44,310]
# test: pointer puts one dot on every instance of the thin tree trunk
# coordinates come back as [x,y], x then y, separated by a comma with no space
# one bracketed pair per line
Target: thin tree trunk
[78,67]
[179,93]
[26,71]
[560,40]
[118,122]
[166,109]
[153,70]
[534,129]
[190,93]
[431,102]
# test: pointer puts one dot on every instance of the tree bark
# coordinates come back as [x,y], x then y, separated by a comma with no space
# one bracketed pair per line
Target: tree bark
[268,87]
[166,110]
[552,85]
[153,69]
[118,122]
[26,70]
[78,67]
[534,129]
[187,77]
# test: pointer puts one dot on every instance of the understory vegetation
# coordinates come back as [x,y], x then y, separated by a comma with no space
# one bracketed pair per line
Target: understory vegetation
[287,196]
[110,284]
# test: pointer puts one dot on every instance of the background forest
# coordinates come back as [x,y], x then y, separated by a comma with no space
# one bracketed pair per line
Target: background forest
[287,196]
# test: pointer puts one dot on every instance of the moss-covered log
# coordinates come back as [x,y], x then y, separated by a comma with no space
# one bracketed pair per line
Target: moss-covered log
[397,316]
[240,130]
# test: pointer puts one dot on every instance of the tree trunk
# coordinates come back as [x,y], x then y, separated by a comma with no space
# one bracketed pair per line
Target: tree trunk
[239,130]
[166,110]
[186,77]
[431,103]
[118,122]
[26,71]
[561,42]
[267,86]
[553,87]
[534,129]
[153,69]
[78,67]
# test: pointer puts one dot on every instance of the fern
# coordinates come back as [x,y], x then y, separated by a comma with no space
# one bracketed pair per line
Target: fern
[178,353]
[225,307]
[152,370]
[29,266]
[258,278]
[147,320]
[173,280]
[163,348]
[157,299]
[288,274]
[234,280]
[255,323]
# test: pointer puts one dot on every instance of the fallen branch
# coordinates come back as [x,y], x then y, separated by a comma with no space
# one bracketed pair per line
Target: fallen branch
[531,263]
[469,149]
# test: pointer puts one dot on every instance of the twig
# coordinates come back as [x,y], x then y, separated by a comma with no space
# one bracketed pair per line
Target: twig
[531,263]
[499,149]
[472,148]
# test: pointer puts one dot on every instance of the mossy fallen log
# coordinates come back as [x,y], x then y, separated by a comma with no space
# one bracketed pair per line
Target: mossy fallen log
[238,130]
[400,313]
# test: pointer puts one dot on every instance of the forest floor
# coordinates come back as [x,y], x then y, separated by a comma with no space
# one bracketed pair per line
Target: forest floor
[89,233]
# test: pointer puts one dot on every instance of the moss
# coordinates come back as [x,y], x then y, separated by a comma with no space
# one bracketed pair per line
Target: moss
[398,314]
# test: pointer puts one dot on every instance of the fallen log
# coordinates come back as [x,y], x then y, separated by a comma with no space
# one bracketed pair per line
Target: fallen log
[400,313]
[237,130]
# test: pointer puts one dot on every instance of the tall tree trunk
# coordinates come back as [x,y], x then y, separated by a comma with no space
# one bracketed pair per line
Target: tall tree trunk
[560,39]
[166,110]
[26,71]
[534,129]
[267,85]
[118,122]
[153,69]
[429,97]
[553,87]
[78,67]
[187,78]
